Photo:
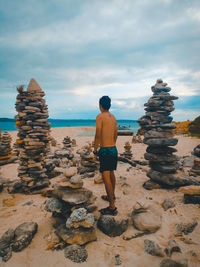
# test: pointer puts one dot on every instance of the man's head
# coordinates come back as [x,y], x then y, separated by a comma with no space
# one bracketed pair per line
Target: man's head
[105,102]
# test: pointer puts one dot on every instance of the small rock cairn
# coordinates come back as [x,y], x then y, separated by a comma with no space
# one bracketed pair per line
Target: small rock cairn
[5,149]
[73,204]
[88,164]
[195,171]
[127,153]
[33,136]
[67,143]
[158,135]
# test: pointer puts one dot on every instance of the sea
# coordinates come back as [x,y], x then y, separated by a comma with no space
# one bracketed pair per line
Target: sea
[129,125]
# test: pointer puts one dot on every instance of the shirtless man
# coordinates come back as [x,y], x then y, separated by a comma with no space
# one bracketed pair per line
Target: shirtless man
[105,137]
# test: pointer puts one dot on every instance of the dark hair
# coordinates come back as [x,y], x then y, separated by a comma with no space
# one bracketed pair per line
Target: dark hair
[105,102]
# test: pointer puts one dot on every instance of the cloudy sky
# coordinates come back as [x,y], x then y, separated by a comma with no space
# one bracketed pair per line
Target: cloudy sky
[79,50]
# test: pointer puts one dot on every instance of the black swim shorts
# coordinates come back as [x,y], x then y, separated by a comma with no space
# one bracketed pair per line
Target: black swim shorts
[108,158]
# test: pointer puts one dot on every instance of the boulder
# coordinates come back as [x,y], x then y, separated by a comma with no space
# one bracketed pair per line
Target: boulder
[111,226]
[147,219]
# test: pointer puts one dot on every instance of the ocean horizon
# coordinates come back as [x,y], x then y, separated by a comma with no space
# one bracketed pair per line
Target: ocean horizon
[9,124]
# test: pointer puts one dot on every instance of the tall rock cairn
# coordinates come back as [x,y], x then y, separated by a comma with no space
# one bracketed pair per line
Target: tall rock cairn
[33,136]
[158,135]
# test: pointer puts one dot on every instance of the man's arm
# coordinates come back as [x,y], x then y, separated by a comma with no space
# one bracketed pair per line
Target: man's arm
[98,132]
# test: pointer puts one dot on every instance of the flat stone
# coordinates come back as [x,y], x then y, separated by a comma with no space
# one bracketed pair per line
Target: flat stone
[76,253]
[163,168]
[191,199]
[161,149]
[160,141]
[111,226]
[160,158]
[153,249]
[5,242]
[78,236]
[73,197]
[156,134]
[190,190]
[174,180]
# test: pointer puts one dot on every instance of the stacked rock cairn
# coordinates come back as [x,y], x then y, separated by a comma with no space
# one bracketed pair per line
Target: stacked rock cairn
[195,171]
[6,155]
[88,164]
[73,204]
[67,143]
[33,136]
[127,153]
[158,135]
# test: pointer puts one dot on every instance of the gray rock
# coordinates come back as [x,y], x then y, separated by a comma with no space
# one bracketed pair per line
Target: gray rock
[186,228]
[111,227]
[153,249]
[167,204]
[78,215]
[24,233]
[5,242]
[171,179]
[188,161]
[76,253]
[53,205]
[173,263]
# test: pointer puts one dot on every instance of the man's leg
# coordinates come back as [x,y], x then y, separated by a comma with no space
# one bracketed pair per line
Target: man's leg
[109,188]
[113,180]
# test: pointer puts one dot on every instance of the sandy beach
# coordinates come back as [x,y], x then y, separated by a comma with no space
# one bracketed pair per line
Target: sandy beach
[129,191]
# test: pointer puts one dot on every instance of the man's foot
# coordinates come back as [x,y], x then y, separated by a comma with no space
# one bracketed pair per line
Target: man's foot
[104,197]
[108,211]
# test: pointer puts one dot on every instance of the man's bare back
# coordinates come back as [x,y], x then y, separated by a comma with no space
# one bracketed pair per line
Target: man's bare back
[106,130]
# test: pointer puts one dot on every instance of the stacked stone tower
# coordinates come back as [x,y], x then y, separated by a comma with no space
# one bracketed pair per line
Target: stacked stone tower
[158,135]
[33,136]
[5,148]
